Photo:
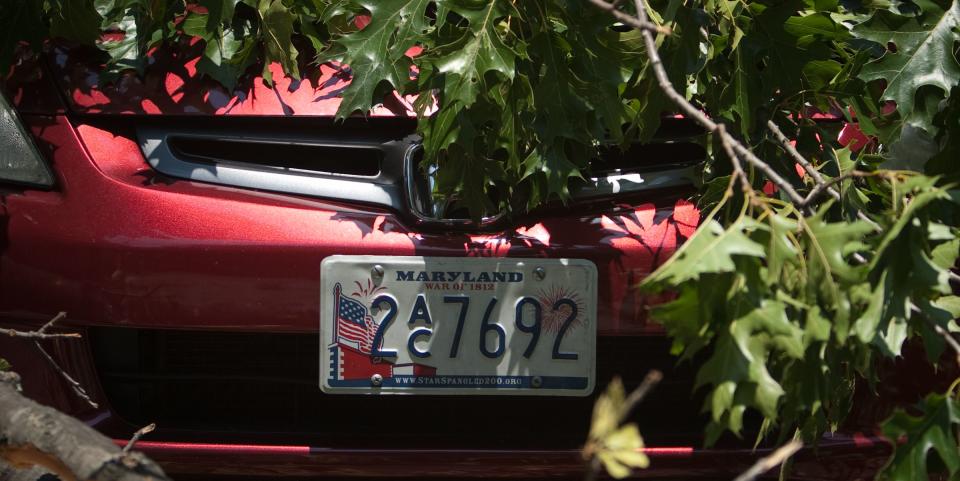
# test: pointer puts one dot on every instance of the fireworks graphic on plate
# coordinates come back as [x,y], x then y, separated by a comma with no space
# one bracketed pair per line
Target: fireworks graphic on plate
[554,319]
[367,291]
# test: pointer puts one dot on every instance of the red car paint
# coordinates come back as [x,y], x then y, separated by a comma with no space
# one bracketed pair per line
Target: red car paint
[117,244]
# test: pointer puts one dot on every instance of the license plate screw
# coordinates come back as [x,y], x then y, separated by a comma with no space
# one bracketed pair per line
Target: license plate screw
[376,274]
[536,381]
[539,273]
[376,380]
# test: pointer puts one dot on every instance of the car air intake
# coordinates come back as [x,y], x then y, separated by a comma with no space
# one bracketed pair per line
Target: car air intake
[334,163]
[257,385]
[294,156]
[648,157]
[671,159]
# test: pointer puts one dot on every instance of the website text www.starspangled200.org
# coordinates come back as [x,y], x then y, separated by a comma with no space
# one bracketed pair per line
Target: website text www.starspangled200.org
[459,381]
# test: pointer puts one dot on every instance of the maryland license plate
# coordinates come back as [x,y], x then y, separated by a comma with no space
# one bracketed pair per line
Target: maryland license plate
[447,325]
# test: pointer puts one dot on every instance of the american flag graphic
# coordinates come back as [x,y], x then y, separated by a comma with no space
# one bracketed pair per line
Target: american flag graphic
[353,323]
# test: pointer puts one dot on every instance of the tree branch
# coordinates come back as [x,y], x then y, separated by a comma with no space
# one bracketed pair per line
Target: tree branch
[36,334]
[699,116]
[42,332]
[629,19]
[636,397]
[771,461]
[735,161]
[950,341]
[807,166]
[139,434]
[36,435]
[55,319]
[813,172]
[77,388]
[827,186]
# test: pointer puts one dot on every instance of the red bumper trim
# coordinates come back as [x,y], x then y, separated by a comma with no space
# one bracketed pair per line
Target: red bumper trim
[673,451]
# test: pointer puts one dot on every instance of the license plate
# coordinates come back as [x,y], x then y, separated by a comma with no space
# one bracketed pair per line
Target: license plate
[448,325]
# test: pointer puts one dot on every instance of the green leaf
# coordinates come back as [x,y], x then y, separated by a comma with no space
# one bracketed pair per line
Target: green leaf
[834,244]
[866,325]
[781,249]
[479,50]
[923,57]
[687,317]
[945,254]
[196,24]
[819,25]
[376,54]
[711,249]
[227,54]
[219,12]
[277,25]
[743,91]
[915,438]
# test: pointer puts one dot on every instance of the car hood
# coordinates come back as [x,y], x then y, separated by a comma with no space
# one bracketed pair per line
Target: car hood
[173,86]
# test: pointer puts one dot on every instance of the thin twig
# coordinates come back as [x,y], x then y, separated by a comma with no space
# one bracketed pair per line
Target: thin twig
[59,317]
[735,161]
[764,167]
[77,388]
[950,340]
[827,186]
[807,166]
[137,435]
[771,461]
[42,332]
[36,334]
[813,172]
[630,19]
[688,109]
[636,397]
[947,336]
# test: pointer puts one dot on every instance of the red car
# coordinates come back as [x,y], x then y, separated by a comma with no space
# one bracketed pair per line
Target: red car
[234,261]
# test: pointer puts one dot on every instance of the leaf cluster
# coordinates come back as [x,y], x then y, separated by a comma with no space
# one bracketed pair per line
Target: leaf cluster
[515,98]
[790,307]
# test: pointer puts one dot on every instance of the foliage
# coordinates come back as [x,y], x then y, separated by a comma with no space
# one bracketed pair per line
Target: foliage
[933,430]
[789,303]
[794,306]
[618,446]
[529,89]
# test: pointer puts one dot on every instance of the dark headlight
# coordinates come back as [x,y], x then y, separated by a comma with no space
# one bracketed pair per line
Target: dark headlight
[20,161]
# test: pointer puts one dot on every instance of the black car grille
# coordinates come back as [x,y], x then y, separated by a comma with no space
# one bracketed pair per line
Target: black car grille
[251,385]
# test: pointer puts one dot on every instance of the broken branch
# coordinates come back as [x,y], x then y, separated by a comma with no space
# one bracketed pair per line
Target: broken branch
[36,435]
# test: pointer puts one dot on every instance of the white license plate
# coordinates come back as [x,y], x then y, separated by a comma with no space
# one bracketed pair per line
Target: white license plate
[450,325]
